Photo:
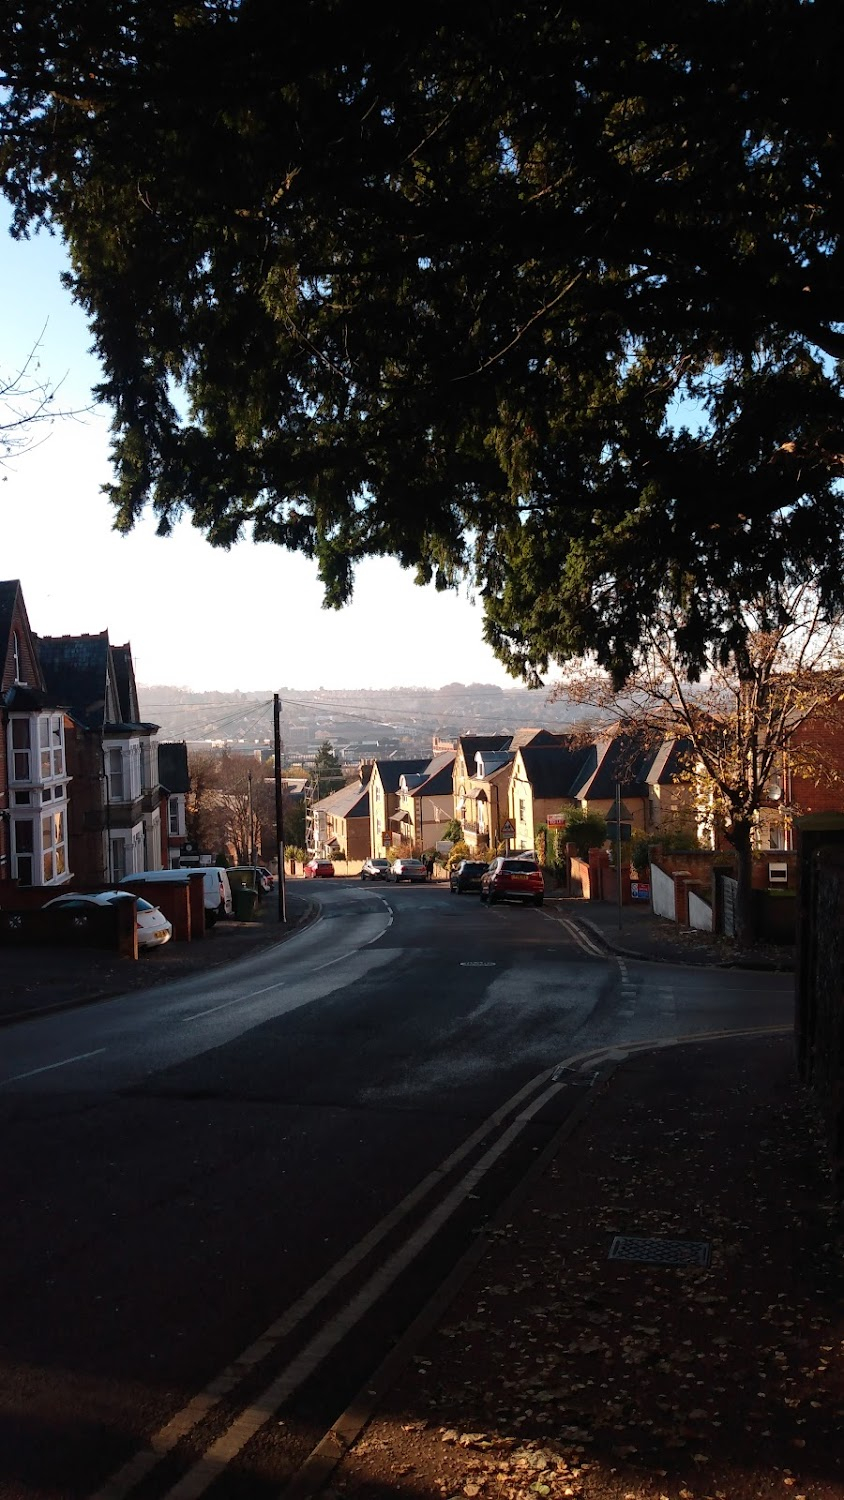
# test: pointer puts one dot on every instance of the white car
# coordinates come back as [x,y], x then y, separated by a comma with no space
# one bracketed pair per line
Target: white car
[153,927]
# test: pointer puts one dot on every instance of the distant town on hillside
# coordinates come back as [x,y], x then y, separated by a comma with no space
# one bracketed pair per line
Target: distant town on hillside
[361,723]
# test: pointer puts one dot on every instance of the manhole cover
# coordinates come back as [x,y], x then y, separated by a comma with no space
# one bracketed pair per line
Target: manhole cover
[660,1252]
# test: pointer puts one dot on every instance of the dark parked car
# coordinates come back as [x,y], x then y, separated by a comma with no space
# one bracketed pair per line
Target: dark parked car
[466,875]
[408,869]
[375,869]
[513,880]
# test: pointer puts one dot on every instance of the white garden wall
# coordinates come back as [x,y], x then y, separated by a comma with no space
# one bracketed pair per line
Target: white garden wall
[662,893]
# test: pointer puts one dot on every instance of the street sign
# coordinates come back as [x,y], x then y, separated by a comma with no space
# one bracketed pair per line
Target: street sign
[508,830]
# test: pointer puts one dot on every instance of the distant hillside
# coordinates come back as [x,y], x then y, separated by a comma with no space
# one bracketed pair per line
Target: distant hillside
[359,721]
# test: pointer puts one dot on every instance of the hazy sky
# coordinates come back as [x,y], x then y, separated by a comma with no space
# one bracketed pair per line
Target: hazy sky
[195,616]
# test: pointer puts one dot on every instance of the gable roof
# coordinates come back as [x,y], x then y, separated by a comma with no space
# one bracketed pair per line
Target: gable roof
[557,770]
[667,764]
[124,677]
[391,771]
[76,671]
[348,802]
[12,607]
[95,680]
[470,744]
[439,776]
[623,760]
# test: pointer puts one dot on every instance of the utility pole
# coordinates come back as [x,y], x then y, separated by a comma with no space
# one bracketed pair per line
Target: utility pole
[279,810]
[618,846]
[251,821]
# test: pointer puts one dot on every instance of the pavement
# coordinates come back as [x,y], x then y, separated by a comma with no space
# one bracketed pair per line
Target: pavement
[41,981]
[657,1312]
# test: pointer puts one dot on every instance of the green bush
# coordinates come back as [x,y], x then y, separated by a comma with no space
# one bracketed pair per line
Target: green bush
[586,830]
[460,851]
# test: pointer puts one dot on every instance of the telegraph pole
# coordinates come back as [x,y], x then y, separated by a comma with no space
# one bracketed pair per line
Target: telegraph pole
[279,810]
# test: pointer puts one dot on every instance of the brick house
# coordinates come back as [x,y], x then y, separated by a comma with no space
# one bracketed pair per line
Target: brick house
[114,814]
[34,774]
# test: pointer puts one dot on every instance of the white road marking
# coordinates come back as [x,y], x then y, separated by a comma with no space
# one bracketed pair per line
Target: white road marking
[65,1062]
[238,1000]
[342,959]
[232,1442]
[124,1480]
[580,937]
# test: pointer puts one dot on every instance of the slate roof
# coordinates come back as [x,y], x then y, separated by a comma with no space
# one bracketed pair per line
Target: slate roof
[667,764]
[124,677]
[493,762]
[439,778]
[524,737]
[470,744]
[624,759]
[391,771]
[75,670]
[11,596]
[348,802]
[557,770]
[8,595]
[173,771]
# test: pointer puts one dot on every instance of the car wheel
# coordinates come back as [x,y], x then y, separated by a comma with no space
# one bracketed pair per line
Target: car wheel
[363,877]
[538,900]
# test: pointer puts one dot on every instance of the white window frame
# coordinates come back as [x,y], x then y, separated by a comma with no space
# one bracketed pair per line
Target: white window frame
[44,750]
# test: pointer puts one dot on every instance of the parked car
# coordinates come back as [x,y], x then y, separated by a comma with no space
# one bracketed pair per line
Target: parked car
[509,878]
[268,877]
[408,869]
[375,869]
[217,891]
[153,927]
[319,869]
[466,875]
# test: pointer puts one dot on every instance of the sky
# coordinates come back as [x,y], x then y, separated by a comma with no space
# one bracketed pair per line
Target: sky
[197,617]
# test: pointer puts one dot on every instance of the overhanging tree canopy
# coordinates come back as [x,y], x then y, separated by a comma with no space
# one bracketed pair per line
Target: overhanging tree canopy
[549,298]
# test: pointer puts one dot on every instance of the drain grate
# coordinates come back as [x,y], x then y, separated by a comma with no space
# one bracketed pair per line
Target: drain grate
[660,1252]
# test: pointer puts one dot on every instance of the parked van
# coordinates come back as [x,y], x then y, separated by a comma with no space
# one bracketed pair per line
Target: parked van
[218,892]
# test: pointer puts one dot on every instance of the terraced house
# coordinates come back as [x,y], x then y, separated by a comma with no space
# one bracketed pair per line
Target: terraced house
[34,775]
[114,814]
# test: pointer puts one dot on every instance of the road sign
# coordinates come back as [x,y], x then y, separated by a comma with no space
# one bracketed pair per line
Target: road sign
[508,830]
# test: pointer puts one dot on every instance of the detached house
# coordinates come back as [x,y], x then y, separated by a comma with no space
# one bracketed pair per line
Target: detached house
[114,812]
[34,774]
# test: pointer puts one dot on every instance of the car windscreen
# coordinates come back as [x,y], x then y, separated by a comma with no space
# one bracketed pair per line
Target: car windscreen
[519,867]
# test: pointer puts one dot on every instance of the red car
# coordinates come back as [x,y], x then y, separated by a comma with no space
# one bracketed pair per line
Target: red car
[318,869]
[513,880]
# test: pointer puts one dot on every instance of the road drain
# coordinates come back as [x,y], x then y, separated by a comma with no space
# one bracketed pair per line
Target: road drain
[660,1252]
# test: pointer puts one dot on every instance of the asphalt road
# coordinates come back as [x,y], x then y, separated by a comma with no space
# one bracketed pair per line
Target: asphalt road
[225,1198]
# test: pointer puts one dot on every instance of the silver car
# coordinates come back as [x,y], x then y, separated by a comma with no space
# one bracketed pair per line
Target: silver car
[408,869]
